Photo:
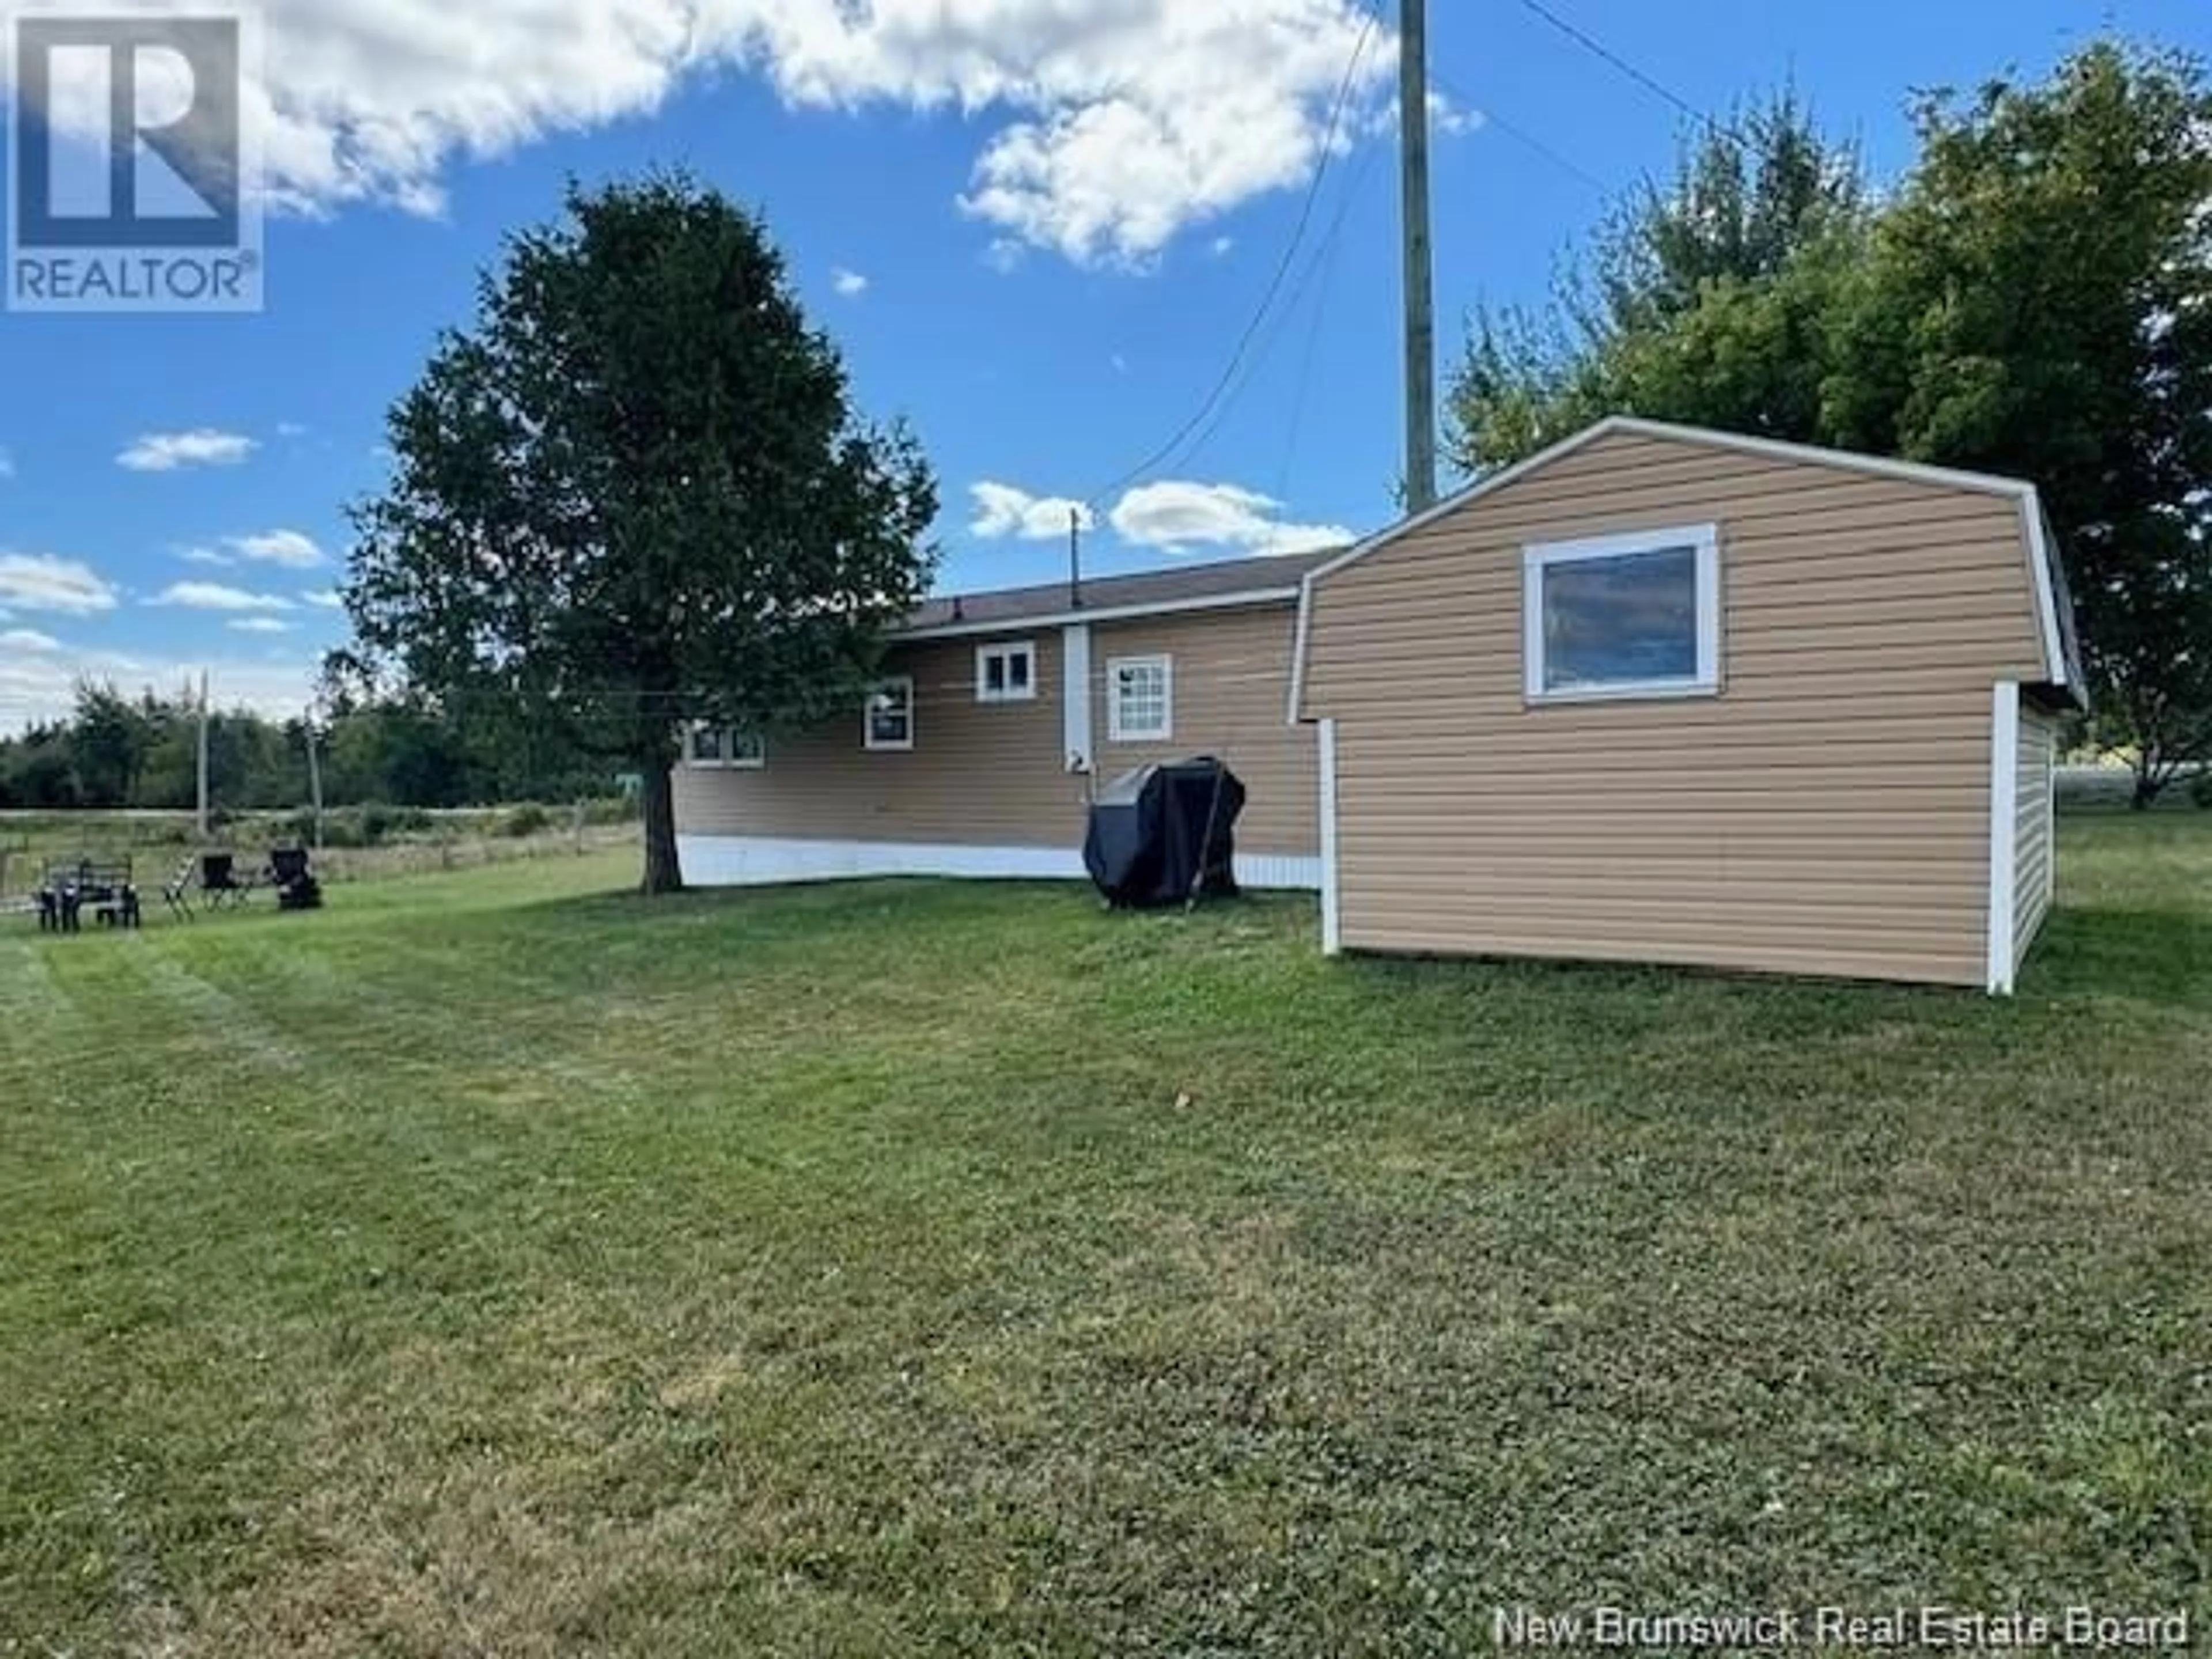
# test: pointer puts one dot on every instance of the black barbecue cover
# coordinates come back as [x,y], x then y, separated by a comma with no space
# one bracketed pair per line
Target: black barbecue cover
[1165,834]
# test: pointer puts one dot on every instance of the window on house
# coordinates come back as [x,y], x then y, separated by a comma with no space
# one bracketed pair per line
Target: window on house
[714,745]
[890,721]
[1006,673]
[1139,699]
[1623,616]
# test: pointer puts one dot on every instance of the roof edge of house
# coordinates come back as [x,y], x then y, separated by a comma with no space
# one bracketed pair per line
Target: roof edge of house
[1240,599]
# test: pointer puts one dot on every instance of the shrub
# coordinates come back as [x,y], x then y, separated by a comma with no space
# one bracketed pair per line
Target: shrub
[615,809]
[380,822]
[2200,788]
[528,820]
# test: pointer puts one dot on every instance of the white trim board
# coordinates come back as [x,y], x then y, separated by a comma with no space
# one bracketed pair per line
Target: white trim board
[1076,736]
[1332,899]
[2004,835]
[767,861]
[2039,551]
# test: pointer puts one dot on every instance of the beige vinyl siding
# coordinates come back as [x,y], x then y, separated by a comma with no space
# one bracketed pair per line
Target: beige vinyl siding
[2035,855]
[987,774]
[1827,813]
[993,775]
[1232,675]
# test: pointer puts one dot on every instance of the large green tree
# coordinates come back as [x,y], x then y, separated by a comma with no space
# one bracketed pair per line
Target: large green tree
[2035,299]
[2040,303]
[636,495]
[1694,300]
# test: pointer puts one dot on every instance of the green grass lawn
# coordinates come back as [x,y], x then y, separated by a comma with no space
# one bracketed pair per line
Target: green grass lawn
[497,1264]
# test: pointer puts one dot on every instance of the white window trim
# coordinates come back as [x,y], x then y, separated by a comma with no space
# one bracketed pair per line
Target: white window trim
[1166,663]
[728,759]
[1538,557]
[1008,649]
[868,740]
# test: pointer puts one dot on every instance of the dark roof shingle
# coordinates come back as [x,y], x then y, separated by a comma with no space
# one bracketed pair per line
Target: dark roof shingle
[1175,586]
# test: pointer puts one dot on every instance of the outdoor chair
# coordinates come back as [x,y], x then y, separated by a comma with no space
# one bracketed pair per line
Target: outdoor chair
[61,896]
[294,879]
[177,891]
[219,880]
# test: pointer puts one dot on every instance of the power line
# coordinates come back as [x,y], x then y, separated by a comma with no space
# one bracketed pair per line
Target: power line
[1275,284]
[1327,258]
[1651,83]
[1521,135]
[1321,259]
[1536,146]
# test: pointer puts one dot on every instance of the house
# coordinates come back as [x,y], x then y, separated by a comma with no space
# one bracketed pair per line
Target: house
[1667,695]
[997,714]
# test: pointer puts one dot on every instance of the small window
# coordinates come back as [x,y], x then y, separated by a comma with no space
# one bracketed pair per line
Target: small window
[716,746]
[1006,673]
[890,718]
[1140,699]
[1623,616]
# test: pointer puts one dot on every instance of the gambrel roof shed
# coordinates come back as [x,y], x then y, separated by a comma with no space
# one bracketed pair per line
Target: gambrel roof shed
[1667,694]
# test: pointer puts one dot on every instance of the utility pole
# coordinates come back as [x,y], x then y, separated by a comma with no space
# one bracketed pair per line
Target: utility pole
[1421,293]
[203,755]
[1075,558]
[314,776]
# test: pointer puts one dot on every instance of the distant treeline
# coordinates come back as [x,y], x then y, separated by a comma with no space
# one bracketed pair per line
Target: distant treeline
[113,751]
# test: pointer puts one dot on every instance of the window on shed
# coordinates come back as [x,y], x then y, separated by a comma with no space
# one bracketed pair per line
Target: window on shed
[1623,616]
[1006,673]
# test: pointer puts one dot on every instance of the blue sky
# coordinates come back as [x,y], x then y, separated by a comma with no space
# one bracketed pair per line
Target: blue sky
[1036,226]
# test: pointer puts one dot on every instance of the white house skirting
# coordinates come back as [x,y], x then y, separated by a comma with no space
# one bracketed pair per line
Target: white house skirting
[761,861]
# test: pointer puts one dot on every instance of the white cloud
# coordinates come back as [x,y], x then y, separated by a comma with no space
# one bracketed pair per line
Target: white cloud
[285,547]
[1003,510]
[1220,246]
[290,429]
[325,598]
[1451,120]
[7,462]
[213,596]
[42,686]
[850,283]
[205,555]
[258,625]
[39,581]
[25,639]
[1110,124]
[166,451]
[1178,516]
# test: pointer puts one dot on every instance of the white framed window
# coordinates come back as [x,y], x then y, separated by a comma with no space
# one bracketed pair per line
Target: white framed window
[724,747]
[1634,615]
[888,721]
[1140,699]
[1006,673]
